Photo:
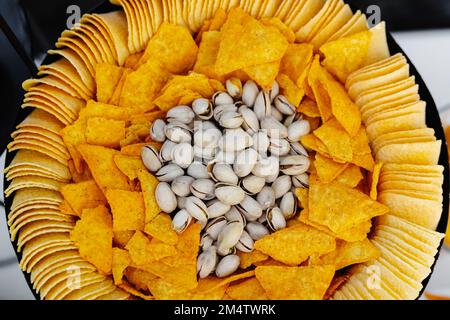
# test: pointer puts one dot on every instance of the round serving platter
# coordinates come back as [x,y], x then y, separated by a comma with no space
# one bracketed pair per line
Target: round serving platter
[432,119]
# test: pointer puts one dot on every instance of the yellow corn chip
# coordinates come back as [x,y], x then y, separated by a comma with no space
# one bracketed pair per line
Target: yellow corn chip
[101,163]
[120,261]
[309,108]
[295,244]
[83,195]
[348,253]
[142,86]
[148,186]
[249,289]
[295,283]
[263,74]
[244,43]
[248,259]
[327,169]
[127,209]
[290,90]
[107,76]
[336,140]
[296,61]
[93,236]
[172,46]
[105,132]
[339,207]
[184,89]
[161,228]
[143,251]
[351,176]
[346,55]
[129,165]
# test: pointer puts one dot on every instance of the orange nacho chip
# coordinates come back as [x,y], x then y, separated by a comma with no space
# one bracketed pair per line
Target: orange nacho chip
[148,186]
[176,59]
[143,252]
[339,207]
[129,165]
[83,195]
[93,236]
[295,283]
[161,228]
[295,244]
[120,261]
[244,43]
[101,163]
[249,289]
[336,140]
[127,209]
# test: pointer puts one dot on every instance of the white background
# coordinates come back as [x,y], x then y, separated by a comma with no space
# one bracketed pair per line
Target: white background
[430,53]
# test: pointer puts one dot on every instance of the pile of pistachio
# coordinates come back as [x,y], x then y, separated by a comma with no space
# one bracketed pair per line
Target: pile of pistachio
[231,164]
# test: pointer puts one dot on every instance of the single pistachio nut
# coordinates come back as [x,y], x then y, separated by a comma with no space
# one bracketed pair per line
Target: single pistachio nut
[234,87]
[294,165]
[203,189]
[274,128]
[169,173]
[252,184]
[263,106]
[235,140]
[221,98]
[277,115]
[298,149]
[183,114]
[183,155]
[266,167]
[279,147]
[206,242]
[181,221]
[250,121]
[245,243]
[249,93]
[197,209]
[275,219]
[197,170]
[150,158]
[256,230]
[227,266]
[288,205]
[181,186]
[250,208]
[298,130]
[275,91]
[301,181]
[231,120]
[165,198]
[206,262]
[208,138]
[178,132]
[222,172]
[228,237]
[245,162]
[166,152]
[281,186]
[284,106]
[217,208]
[266,198]
[215,226]
[157,131]
[261,142]
[229,194]
[203,108]
[234,215]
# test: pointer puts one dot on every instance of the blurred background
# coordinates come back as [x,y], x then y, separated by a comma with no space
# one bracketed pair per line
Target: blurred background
[421,27]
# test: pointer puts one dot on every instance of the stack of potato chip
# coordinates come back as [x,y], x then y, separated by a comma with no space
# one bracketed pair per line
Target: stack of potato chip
[84,213]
